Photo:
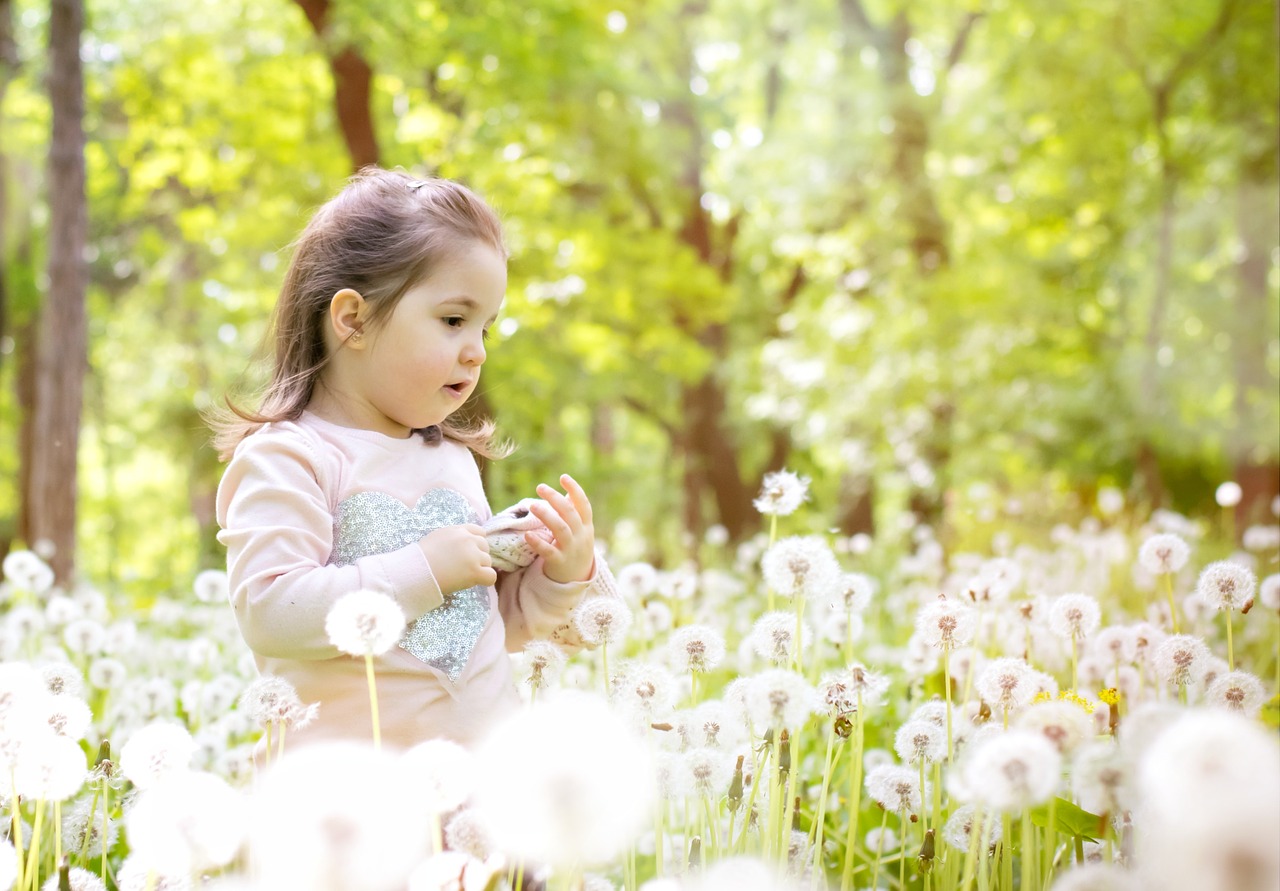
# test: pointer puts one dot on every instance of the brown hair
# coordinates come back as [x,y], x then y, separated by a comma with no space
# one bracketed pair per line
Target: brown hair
[383,233]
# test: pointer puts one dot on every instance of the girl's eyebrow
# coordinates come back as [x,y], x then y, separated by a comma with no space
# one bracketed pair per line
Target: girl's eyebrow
[465,302]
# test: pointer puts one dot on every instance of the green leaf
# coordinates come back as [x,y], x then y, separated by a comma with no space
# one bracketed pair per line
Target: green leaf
[1069,818]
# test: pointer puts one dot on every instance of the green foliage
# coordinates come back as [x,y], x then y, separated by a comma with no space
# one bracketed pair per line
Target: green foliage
[604,132]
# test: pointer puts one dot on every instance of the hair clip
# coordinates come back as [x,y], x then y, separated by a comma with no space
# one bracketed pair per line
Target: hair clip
[417,184]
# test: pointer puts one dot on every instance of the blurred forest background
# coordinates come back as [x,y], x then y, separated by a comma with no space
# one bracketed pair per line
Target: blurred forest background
[962,262]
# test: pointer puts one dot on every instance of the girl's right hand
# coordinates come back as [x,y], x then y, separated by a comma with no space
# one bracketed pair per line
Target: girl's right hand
[459,557]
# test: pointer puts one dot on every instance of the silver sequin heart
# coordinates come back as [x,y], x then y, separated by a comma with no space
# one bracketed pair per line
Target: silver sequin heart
[378,523]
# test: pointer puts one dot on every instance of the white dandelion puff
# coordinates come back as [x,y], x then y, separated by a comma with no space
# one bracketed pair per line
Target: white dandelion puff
[365,623]
[601,620]
[946,624]
[1269,592]
[78,879]
[854,591]
[49,767]
[1097,877]
[136,875]
[800,566]
[1181,659]
[920,740]
[106,673]
[773,637]
[186,821]
[1013,770]
[1237,691]
[439,774]
[869,686]
[1074,616]
[211,586]
[1226,585]
[707,771]
[896,788]
[1063,723]
[466,832]
[959,828]
[777,698]
[1006,683]
[155,750]
[543,663]
[565,781]
[273,700]
[1163,553]
[781,493]
[1228,494]
[1102,778]
[27,572]
[696,648]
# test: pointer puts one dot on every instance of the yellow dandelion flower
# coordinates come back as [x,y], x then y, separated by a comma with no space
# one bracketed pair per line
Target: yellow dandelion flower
[1073,696]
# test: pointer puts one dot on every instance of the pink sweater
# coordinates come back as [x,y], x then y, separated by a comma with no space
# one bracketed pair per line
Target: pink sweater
[309,511]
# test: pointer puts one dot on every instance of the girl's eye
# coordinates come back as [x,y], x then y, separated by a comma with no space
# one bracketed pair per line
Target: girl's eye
[454,321]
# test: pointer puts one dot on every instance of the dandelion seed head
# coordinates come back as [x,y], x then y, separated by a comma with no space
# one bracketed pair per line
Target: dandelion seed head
[601,620]
[1208,788]
[1102,778]
[1269,592]
[543,663]
[959,828]
[1264,539]
[800,566]
[1074,616]
[1163,553]
[136,875]
[946,624]
[854,591]
[49,767]
[1061,722]
[365,623]
[1012,770]
[1097,877]
[637,581]
[78,878]
[1181,659]
[211,586]
[62,677]
[920,740]
[1006,683]
[778,698]
[1237,691]
[466,832]
[1115,644]
[336,815]
[781,493]
[1228,494]
[1226,585]
[565,781]
[868,684]
[153,751]
[896,788]
[25,571]
[707,772]
[186,821]
[440,774]
[696,648]
[773,636]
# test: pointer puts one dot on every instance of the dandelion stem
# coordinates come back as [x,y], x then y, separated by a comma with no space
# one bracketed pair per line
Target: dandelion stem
[604,666]
[106,812]
[946,686]
[875,870]
[16,823]
[1026,848]
[757,767]
[373,701]
[902,844]
[33,855]
[977,837]
[1231,653]
[819,826]
[57,833]
[1051,838]
[796,656]
[855,798]
[789,805]
[1168,593]
[1006,851]
[88,828]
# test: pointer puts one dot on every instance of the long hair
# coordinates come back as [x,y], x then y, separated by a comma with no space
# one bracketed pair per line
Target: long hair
[384,232]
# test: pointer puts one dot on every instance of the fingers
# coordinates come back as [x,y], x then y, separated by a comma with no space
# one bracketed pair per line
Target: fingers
[488,576]
[578,496]
[558,514]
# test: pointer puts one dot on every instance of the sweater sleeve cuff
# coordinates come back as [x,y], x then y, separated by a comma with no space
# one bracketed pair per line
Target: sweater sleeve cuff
[408,578]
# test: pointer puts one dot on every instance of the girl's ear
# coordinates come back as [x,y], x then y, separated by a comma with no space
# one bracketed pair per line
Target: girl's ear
[347,313]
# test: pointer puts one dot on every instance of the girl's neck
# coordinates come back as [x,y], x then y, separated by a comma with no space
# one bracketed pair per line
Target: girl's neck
[329,406]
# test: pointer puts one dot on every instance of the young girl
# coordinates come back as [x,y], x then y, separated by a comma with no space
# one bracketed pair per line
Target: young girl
[353,475]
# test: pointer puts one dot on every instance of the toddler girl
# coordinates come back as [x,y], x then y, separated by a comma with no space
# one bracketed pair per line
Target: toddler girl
[353,475]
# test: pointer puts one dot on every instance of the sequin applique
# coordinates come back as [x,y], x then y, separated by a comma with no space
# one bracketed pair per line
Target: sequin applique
[378,523]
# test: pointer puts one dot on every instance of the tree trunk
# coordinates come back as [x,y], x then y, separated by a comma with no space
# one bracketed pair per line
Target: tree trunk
[1253,449]
[352,79]
[62,331]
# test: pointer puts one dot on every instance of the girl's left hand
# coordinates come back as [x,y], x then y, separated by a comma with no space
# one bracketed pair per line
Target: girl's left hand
[571,556]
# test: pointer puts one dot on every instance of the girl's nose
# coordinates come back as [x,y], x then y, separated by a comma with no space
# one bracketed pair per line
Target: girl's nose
[473,353]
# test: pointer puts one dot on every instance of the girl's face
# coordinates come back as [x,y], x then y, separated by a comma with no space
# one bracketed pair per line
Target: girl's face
[421,363]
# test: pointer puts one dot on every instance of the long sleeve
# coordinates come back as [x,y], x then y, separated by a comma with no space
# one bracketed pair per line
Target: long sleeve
[277,526]
[533,606]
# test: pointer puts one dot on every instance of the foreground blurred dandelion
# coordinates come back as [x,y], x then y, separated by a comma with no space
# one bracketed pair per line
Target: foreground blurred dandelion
[366,624]
[564,782]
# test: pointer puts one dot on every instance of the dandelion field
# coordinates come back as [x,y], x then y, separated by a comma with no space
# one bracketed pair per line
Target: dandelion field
[1094,710]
